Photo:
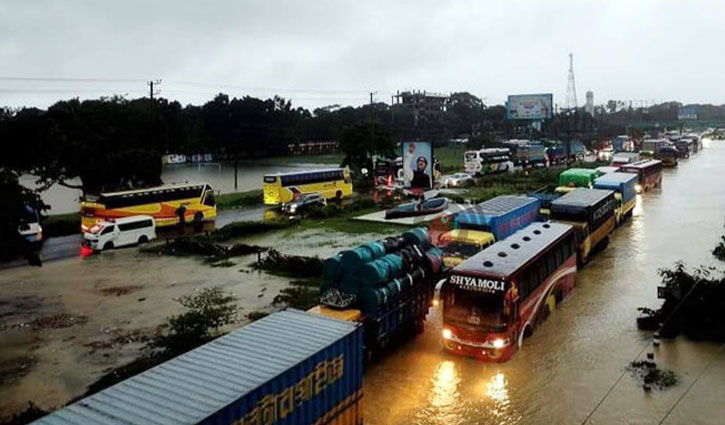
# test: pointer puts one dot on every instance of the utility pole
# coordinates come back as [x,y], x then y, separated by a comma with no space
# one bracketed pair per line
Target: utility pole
[372,120]
[151,85]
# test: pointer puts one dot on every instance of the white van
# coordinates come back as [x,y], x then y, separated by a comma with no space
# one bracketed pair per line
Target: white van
[124,231]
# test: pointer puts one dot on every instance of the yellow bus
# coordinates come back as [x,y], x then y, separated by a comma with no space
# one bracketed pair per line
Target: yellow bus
[168,205]
[591,213]
[281,188]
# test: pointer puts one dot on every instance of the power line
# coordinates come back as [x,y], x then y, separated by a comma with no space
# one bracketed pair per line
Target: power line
[74,80]
[278,89]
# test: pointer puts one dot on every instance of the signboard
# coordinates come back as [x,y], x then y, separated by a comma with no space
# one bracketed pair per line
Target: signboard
[479,284]
[529,106]
[687,113]
[417,165]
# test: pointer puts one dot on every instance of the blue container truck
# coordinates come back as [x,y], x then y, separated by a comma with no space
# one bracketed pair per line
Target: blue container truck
[625,194]
[290,367]
[389,293]
[501,216]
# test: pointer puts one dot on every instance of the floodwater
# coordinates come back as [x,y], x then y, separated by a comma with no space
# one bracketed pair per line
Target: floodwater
[564,371]
[220,175]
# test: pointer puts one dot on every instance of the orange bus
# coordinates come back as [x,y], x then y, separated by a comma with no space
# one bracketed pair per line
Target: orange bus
[168,205]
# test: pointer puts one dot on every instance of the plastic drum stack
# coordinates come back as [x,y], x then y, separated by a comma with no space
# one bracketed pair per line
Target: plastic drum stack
[383,272]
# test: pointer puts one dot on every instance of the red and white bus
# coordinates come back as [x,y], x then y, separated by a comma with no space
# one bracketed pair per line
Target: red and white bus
[649,172]
[497,297]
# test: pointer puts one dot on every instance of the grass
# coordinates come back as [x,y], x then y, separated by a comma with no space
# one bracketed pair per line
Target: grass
[451,158]
[250,198]
[330,159]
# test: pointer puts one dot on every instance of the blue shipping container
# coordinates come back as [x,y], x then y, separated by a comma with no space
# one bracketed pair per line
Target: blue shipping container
[502,215]
[623,183]
[288,368]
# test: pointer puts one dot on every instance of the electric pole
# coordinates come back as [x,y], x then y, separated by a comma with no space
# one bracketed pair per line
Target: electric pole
[151,85]
[372,120]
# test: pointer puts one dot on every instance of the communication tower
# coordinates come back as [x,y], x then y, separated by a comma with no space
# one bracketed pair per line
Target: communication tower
[570,86]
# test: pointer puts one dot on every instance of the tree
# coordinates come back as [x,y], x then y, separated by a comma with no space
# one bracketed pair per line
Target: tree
[481,141]
[359,145]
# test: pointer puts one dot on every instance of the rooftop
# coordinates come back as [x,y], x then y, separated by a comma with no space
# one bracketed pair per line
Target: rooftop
[582,197]
[615,178]
[505,257]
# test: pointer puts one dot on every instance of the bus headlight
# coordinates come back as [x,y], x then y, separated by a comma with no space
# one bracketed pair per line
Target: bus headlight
[447,334]
[498,343]
[638,188]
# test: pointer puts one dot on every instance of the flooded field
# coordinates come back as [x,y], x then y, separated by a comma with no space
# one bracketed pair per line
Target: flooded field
[570,363]
[66,324]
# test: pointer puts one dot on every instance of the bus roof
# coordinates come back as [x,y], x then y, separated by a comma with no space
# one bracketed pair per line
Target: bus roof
[505,257]
[642,164]
[499,205]
[616,178]
[292,173]
[149,189]
[582,197]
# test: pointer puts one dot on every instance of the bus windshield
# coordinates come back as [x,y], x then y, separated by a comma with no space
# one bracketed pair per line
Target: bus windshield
[480,309]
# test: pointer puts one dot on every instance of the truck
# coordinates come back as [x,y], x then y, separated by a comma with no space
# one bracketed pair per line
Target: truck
[577,177]
[555,153]
[622,143]
[387,286]
[591,213]
[527,153]
[623,158]
[625,193]
[289,367]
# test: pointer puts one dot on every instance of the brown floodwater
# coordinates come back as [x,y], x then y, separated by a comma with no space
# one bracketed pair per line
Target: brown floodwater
[566,368]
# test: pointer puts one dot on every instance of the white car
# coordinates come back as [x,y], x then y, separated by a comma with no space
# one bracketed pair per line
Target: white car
[125,231]
[455,180]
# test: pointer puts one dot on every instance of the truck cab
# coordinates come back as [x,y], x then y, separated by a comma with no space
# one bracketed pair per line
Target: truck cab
[460,244]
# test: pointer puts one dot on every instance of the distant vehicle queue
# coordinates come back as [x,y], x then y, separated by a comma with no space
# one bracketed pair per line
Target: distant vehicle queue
[494,298]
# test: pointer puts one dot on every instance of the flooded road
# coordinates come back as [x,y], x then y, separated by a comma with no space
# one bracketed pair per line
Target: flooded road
[564,371]
[220,175]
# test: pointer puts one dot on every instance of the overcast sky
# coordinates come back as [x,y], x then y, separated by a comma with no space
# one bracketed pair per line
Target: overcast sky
[326,52]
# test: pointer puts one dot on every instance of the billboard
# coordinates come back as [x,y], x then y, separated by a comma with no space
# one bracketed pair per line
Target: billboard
[417,165]
[687,113]
[529,106]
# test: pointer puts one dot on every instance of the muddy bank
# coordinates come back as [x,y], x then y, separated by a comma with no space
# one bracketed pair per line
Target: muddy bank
[67,324]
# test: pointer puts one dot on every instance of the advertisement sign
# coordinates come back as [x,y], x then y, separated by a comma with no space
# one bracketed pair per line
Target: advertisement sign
[687,113]
[529,106]
[417,165]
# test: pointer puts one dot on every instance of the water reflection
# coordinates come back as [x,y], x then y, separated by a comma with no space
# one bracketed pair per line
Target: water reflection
[444,395]
[496,389]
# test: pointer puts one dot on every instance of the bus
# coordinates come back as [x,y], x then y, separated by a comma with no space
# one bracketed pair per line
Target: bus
[591,213]
[496,298]
[168,205]
[488,161]
[649,173]
[332,183]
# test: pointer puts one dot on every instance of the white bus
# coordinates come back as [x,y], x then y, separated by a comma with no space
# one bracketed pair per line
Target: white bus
[488,161]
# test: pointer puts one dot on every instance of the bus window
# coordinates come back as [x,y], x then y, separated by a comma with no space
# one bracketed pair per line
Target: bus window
[209,200]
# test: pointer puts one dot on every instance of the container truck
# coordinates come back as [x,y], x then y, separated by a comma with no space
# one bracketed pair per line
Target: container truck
[591,213]
[290,367]
[386,285]
[625,194]
[477,227]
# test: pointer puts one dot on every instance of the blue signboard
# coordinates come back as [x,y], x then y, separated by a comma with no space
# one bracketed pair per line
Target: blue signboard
[687,113]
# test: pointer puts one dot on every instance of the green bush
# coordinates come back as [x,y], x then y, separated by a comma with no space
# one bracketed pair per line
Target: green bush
[240,199]
[205,313]
[61,225]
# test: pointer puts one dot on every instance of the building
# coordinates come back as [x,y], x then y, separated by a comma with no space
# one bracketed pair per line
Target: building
[425,105]
[589,106]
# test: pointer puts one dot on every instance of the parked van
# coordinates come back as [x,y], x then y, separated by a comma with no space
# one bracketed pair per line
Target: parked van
[124,231]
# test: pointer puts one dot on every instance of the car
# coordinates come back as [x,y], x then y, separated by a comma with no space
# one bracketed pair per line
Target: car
[109,234]
[457,179]
[304,202]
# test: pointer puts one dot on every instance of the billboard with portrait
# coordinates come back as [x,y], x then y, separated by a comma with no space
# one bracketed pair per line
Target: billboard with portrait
[418,165]
[529,106]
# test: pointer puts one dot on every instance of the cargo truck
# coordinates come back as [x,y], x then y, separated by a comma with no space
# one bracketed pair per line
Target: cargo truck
[290,367]
[625,194]
[483,224]
[386,285]
[577,177]
[591,213]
